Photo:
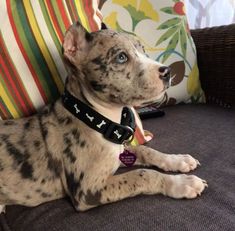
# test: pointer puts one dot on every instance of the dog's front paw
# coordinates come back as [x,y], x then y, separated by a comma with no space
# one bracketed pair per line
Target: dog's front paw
[184,186]
[179,163]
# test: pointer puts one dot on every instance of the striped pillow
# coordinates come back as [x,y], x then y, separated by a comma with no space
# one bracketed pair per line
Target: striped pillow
[32,73]
[31,69]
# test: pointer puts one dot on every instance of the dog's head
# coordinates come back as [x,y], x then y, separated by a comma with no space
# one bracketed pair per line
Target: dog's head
[113,67]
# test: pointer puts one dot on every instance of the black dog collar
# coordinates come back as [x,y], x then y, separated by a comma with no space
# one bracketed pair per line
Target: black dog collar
[114,132]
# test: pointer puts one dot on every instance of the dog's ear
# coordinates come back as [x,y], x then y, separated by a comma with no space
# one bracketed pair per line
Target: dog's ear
[76,43]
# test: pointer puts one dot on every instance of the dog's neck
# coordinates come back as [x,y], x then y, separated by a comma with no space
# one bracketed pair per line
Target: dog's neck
[117,132]
[110,111]
[113,112]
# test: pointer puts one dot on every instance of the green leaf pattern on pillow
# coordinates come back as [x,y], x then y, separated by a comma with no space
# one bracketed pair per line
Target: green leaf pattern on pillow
[161,25]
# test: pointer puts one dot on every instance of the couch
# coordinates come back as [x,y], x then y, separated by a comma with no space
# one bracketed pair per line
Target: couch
[206,131]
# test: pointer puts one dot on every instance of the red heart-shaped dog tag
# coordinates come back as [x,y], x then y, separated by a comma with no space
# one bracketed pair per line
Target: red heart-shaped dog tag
[128,158]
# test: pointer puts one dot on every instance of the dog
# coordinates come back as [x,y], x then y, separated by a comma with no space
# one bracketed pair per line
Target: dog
[57,153]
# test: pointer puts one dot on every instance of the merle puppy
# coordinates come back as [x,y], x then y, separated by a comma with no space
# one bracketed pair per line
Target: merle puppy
[74,146]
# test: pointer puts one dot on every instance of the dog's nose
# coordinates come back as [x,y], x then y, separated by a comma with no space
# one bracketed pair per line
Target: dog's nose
[164,73]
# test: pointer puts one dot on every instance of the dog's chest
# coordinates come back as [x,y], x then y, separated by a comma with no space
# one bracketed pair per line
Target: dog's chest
[100,152]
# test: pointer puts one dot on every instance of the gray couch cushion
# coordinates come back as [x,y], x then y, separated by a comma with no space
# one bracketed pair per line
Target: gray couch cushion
[206,132]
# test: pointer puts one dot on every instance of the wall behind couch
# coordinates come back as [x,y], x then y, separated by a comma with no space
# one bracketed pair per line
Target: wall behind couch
[208,13]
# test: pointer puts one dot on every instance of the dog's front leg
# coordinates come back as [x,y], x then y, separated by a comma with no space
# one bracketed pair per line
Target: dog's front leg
[169,162]
[142,181]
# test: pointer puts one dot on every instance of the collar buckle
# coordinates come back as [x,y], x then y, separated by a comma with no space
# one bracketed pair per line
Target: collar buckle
[119,134]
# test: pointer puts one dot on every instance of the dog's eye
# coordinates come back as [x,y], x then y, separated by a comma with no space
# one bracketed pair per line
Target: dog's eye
[121,58]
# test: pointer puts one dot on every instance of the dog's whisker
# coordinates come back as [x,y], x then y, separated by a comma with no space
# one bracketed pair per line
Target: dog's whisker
[171,81]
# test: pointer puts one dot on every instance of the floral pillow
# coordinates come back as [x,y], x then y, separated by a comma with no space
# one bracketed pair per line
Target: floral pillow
[162,27]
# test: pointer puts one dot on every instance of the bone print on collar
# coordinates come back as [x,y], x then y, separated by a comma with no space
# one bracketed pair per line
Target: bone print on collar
[114,132]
